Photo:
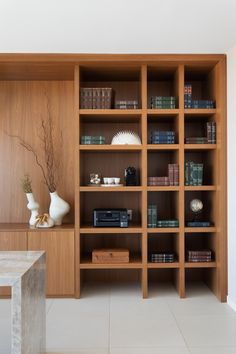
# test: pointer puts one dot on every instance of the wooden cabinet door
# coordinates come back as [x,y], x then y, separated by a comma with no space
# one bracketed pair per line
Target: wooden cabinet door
[12,241]
[59,247]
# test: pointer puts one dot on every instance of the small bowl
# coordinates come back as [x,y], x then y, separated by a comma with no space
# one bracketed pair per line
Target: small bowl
[110,180]
[117,180]
[105,180]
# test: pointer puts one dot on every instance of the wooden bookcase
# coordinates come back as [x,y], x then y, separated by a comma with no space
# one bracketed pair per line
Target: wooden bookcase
[24,80]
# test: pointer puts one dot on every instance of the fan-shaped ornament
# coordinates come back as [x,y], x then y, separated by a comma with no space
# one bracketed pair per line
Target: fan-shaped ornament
[126,137]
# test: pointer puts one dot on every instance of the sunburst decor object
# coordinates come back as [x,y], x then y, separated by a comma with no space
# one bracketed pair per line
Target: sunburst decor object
[126,137]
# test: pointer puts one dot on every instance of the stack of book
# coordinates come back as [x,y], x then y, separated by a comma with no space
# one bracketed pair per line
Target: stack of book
[211,132]
[168,223]
[126,104]
[162,137]
[189,102]
[163,102]
[152,216]
[158,181]
[210,137]
[96,98]
[193,174]
[199,224]
[173,173]
[162,257]
[171,180]
[92,140]
[199,256]
[187,96]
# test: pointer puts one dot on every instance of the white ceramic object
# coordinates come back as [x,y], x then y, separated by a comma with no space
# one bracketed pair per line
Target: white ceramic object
[58,208]
[117,180]
[111,185]
[126,137]
[33,206]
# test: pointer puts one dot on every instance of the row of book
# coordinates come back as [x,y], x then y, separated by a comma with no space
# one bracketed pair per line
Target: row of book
[171,180]
[163,102]
[189,102]
[162,257]
[199,256]
[162,137]
[193,174]
[210,137]
[92,140]
[96,98]
[154,222]
[126,104]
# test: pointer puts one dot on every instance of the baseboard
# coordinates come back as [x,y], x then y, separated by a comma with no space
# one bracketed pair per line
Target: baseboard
[231,303]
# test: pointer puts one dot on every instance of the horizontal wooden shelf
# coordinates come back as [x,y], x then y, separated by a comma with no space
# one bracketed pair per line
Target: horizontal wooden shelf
[163,265]
[110,112]
[162,112]
[26,227]
[200,146]
[199,229]
[199,112]
[107,148]
[200,264]
[134,263]
[162,146]
[163,230]
[200,188]
[163,188]
[111,189]
[134,229]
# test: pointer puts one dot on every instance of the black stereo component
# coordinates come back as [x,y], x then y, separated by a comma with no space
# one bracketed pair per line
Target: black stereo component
[131,177]
[110,218]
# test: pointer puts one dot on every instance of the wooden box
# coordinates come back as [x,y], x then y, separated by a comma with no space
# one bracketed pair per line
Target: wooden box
[117,255]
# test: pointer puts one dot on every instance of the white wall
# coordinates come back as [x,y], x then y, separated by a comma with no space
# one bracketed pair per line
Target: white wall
[117,26]
[231,107]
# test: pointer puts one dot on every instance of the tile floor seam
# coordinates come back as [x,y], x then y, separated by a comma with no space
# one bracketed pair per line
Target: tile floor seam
[187,346]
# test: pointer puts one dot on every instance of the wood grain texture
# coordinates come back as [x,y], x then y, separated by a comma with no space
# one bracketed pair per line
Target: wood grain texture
[59,247]
[12,241]
[22,106]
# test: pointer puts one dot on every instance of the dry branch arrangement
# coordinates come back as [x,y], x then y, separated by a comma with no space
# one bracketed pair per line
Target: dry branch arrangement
[26,184]
[49,166]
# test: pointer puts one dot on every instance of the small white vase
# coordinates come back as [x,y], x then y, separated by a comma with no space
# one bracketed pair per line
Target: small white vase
[33,206]
[58,208]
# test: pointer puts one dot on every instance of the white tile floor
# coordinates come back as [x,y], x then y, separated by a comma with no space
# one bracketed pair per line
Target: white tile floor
[116,320]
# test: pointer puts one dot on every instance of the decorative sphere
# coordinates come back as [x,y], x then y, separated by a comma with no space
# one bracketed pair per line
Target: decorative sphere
[196,205]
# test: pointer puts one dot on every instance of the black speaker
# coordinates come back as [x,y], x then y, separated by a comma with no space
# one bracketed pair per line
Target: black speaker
[131,177]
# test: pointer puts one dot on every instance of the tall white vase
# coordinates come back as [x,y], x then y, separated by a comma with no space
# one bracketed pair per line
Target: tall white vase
[33,206]
[58,208]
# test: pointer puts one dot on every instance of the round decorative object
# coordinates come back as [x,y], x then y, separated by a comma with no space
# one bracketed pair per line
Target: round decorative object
[126,137]
[44,221]
[196,205]
[33,206]
[58,208]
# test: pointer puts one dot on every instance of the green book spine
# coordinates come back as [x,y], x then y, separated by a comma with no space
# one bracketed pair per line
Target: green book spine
[186,173]
[200,174]
[149,216]
[195,174]
[154,216]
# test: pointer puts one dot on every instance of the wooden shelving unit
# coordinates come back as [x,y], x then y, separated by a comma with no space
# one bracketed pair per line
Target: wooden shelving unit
[24,79]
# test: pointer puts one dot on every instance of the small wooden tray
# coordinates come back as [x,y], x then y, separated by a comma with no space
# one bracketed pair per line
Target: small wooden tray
[116,255]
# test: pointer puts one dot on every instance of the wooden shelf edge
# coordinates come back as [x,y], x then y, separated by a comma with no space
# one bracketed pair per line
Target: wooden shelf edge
[111,189]
[162,112]
[163,188]
[110,112]
[109,230]
[162,230]
[200,264]
[163,265]
[199,229]
[200,146]
[5,227]
[200,188]
[133,264]
[109,147]
[162,146]
[192,111]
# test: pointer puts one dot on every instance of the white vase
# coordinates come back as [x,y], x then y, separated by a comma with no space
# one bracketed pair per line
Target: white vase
[33,206]
[58,208]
